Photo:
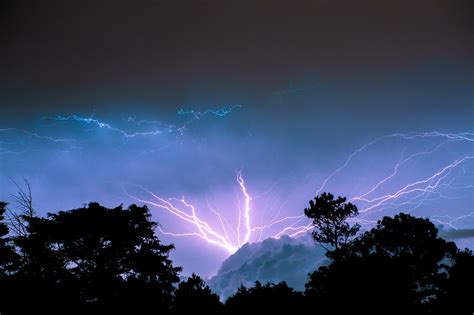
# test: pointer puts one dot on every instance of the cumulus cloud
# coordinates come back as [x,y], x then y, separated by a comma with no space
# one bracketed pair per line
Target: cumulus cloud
[272,260]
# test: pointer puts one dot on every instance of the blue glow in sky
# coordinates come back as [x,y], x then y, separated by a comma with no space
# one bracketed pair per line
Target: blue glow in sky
[218,177]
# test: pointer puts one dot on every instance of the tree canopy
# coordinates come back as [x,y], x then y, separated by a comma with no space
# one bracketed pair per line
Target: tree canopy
[265,299]
[329,217]
[400,265]
[193,295]
[96,259]
[104,258]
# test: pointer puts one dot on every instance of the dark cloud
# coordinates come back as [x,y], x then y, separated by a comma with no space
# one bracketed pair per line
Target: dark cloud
[457,234]
[93,49]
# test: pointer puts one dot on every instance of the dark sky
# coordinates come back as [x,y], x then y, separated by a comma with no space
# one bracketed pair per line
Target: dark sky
[85,51]
[314,81]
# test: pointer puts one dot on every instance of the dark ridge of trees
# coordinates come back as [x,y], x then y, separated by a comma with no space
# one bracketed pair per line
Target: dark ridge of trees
[194,296]
[95,260]
[400,265]
[458,287]
[265,299]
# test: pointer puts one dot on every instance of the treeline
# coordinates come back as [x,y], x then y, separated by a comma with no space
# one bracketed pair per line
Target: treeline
[109,261]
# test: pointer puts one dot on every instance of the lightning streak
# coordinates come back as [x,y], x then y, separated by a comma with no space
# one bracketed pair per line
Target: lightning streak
[98,123]
[165,128]
[187,212]
[247,209]
[427,185]
[134,129]
[224,111]
[409,197]
[398,189]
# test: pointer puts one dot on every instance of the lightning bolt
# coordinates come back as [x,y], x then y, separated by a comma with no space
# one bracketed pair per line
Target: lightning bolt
[422,186]
[188,213]
[411,196]
[386,195]
[29,141]
[247,209]
[134,129]
[34,135]
[224,111]
[449,220]
[165,128]
[98,123]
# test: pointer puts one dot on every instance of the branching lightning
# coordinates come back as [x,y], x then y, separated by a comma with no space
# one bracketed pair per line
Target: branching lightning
[224,111]
[133,128]
[98,123]
[164,128]
[187,212]
[407,198]
[399,188]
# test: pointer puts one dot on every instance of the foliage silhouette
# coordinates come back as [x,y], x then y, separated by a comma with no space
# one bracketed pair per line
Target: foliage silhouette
[265,299]
[400,265]
[194,296]
[329,217]
[100,260]
[96,258]
[8,257]
[459,287]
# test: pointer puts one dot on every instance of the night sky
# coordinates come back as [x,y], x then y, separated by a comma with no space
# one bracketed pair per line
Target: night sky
[110,101]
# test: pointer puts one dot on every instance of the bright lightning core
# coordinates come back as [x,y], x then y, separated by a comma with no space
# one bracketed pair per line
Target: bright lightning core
[227,237]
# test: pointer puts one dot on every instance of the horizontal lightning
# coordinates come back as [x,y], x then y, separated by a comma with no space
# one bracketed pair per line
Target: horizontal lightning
[418,191]
[166,128]
[224,111]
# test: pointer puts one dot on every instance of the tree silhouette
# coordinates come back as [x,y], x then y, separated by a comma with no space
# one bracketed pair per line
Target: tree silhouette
[329,217]
[400,265]
[265,299]
[194,296]
[96,258]
[100,260]
[459,286]
[23,200]
[8,257]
